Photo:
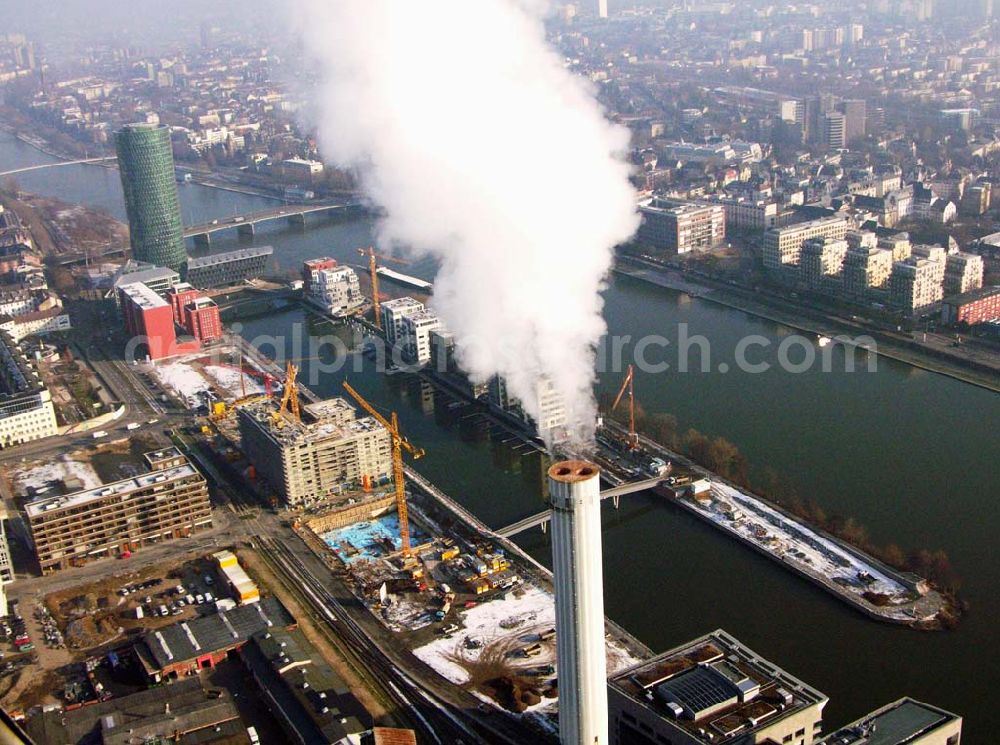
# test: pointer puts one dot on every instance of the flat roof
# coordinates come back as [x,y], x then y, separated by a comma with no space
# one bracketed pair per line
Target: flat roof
[187,640]
[715,685]
[972,295]
[143,296]
[115,488]
[330,422]
[900,722]
[228,256]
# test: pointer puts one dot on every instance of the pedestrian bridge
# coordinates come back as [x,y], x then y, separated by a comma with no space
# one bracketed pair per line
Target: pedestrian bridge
[541,519]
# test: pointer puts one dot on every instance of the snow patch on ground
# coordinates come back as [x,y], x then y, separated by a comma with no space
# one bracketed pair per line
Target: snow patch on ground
[508,622]
[39,477]
[183,380]
[229,380]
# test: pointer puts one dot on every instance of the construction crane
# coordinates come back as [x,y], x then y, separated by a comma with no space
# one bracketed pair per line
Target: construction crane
[628,384]
[265,377]
[399,443]
[290,398]
[373,270]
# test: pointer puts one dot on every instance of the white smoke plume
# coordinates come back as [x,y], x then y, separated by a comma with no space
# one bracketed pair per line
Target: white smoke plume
[486,152]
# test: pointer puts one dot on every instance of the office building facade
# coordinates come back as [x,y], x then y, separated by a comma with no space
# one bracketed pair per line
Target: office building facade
[146,166]
[228,268]
[675,227]
[26,409]
[783,246]
[115,519]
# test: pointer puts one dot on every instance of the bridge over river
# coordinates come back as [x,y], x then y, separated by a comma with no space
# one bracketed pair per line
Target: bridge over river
[294,213]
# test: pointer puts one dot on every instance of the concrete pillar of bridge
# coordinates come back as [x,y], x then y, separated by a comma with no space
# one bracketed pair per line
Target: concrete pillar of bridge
[245,230]
[203,240]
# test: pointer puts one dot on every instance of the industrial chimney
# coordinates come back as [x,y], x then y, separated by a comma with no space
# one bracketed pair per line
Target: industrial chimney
[575,496]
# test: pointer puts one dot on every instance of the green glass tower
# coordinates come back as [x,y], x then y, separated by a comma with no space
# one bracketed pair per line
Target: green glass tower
[146,164]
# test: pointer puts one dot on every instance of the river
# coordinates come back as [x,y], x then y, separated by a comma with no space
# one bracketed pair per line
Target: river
[910,454]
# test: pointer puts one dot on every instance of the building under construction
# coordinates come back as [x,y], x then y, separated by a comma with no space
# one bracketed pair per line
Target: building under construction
[326,452]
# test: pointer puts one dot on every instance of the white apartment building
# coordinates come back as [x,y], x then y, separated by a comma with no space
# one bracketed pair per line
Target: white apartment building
[783,246]
[552,408]
[916,285]
[822,263]
[26,410]
[963,272]
[393,312]
[416,335]
[866,271]
[746,215]
[336,291]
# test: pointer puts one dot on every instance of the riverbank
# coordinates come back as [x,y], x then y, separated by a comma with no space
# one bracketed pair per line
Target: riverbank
[878,591]
[981,373]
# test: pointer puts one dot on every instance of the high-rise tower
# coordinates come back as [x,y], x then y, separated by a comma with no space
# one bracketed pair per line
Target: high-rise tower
[146,164]
[575,495]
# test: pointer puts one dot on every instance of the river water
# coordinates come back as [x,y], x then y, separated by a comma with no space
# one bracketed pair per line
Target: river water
[912,455]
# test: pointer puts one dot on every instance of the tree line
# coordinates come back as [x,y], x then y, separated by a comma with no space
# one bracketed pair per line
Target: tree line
[719,455]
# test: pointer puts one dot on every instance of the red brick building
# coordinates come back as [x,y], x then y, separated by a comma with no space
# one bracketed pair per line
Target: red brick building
[201,319]
[179,296]
[971,308]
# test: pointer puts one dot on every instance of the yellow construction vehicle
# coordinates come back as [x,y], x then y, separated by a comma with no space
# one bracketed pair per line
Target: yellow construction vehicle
[399,443]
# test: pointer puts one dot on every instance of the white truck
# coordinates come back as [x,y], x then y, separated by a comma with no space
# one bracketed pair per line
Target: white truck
[132,425]
[99,434]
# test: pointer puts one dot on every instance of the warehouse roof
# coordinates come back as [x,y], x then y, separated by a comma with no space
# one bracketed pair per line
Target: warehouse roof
[188,640]
[900,722]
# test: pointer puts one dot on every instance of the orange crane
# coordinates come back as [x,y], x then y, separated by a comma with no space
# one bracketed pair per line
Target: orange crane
[373,270]
[399,443]
[290,398]
[628,384]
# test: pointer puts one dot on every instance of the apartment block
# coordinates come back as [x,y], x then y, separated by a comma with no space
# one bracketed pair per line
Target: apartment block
[677,227]
[416,335]
[328,453]
[916,285]
[822,265]
[744,215]
[335,290]
[115,519]
[963,272]
[783,246]
[970,308]
[866,272]
[26,410]
[393,312]
[552,408]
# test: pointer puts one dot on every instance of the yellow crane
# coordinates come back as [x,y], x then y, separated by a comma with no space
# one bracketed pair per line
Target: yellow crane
[373,259]
[628,384]
[290,397]
[399,443]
